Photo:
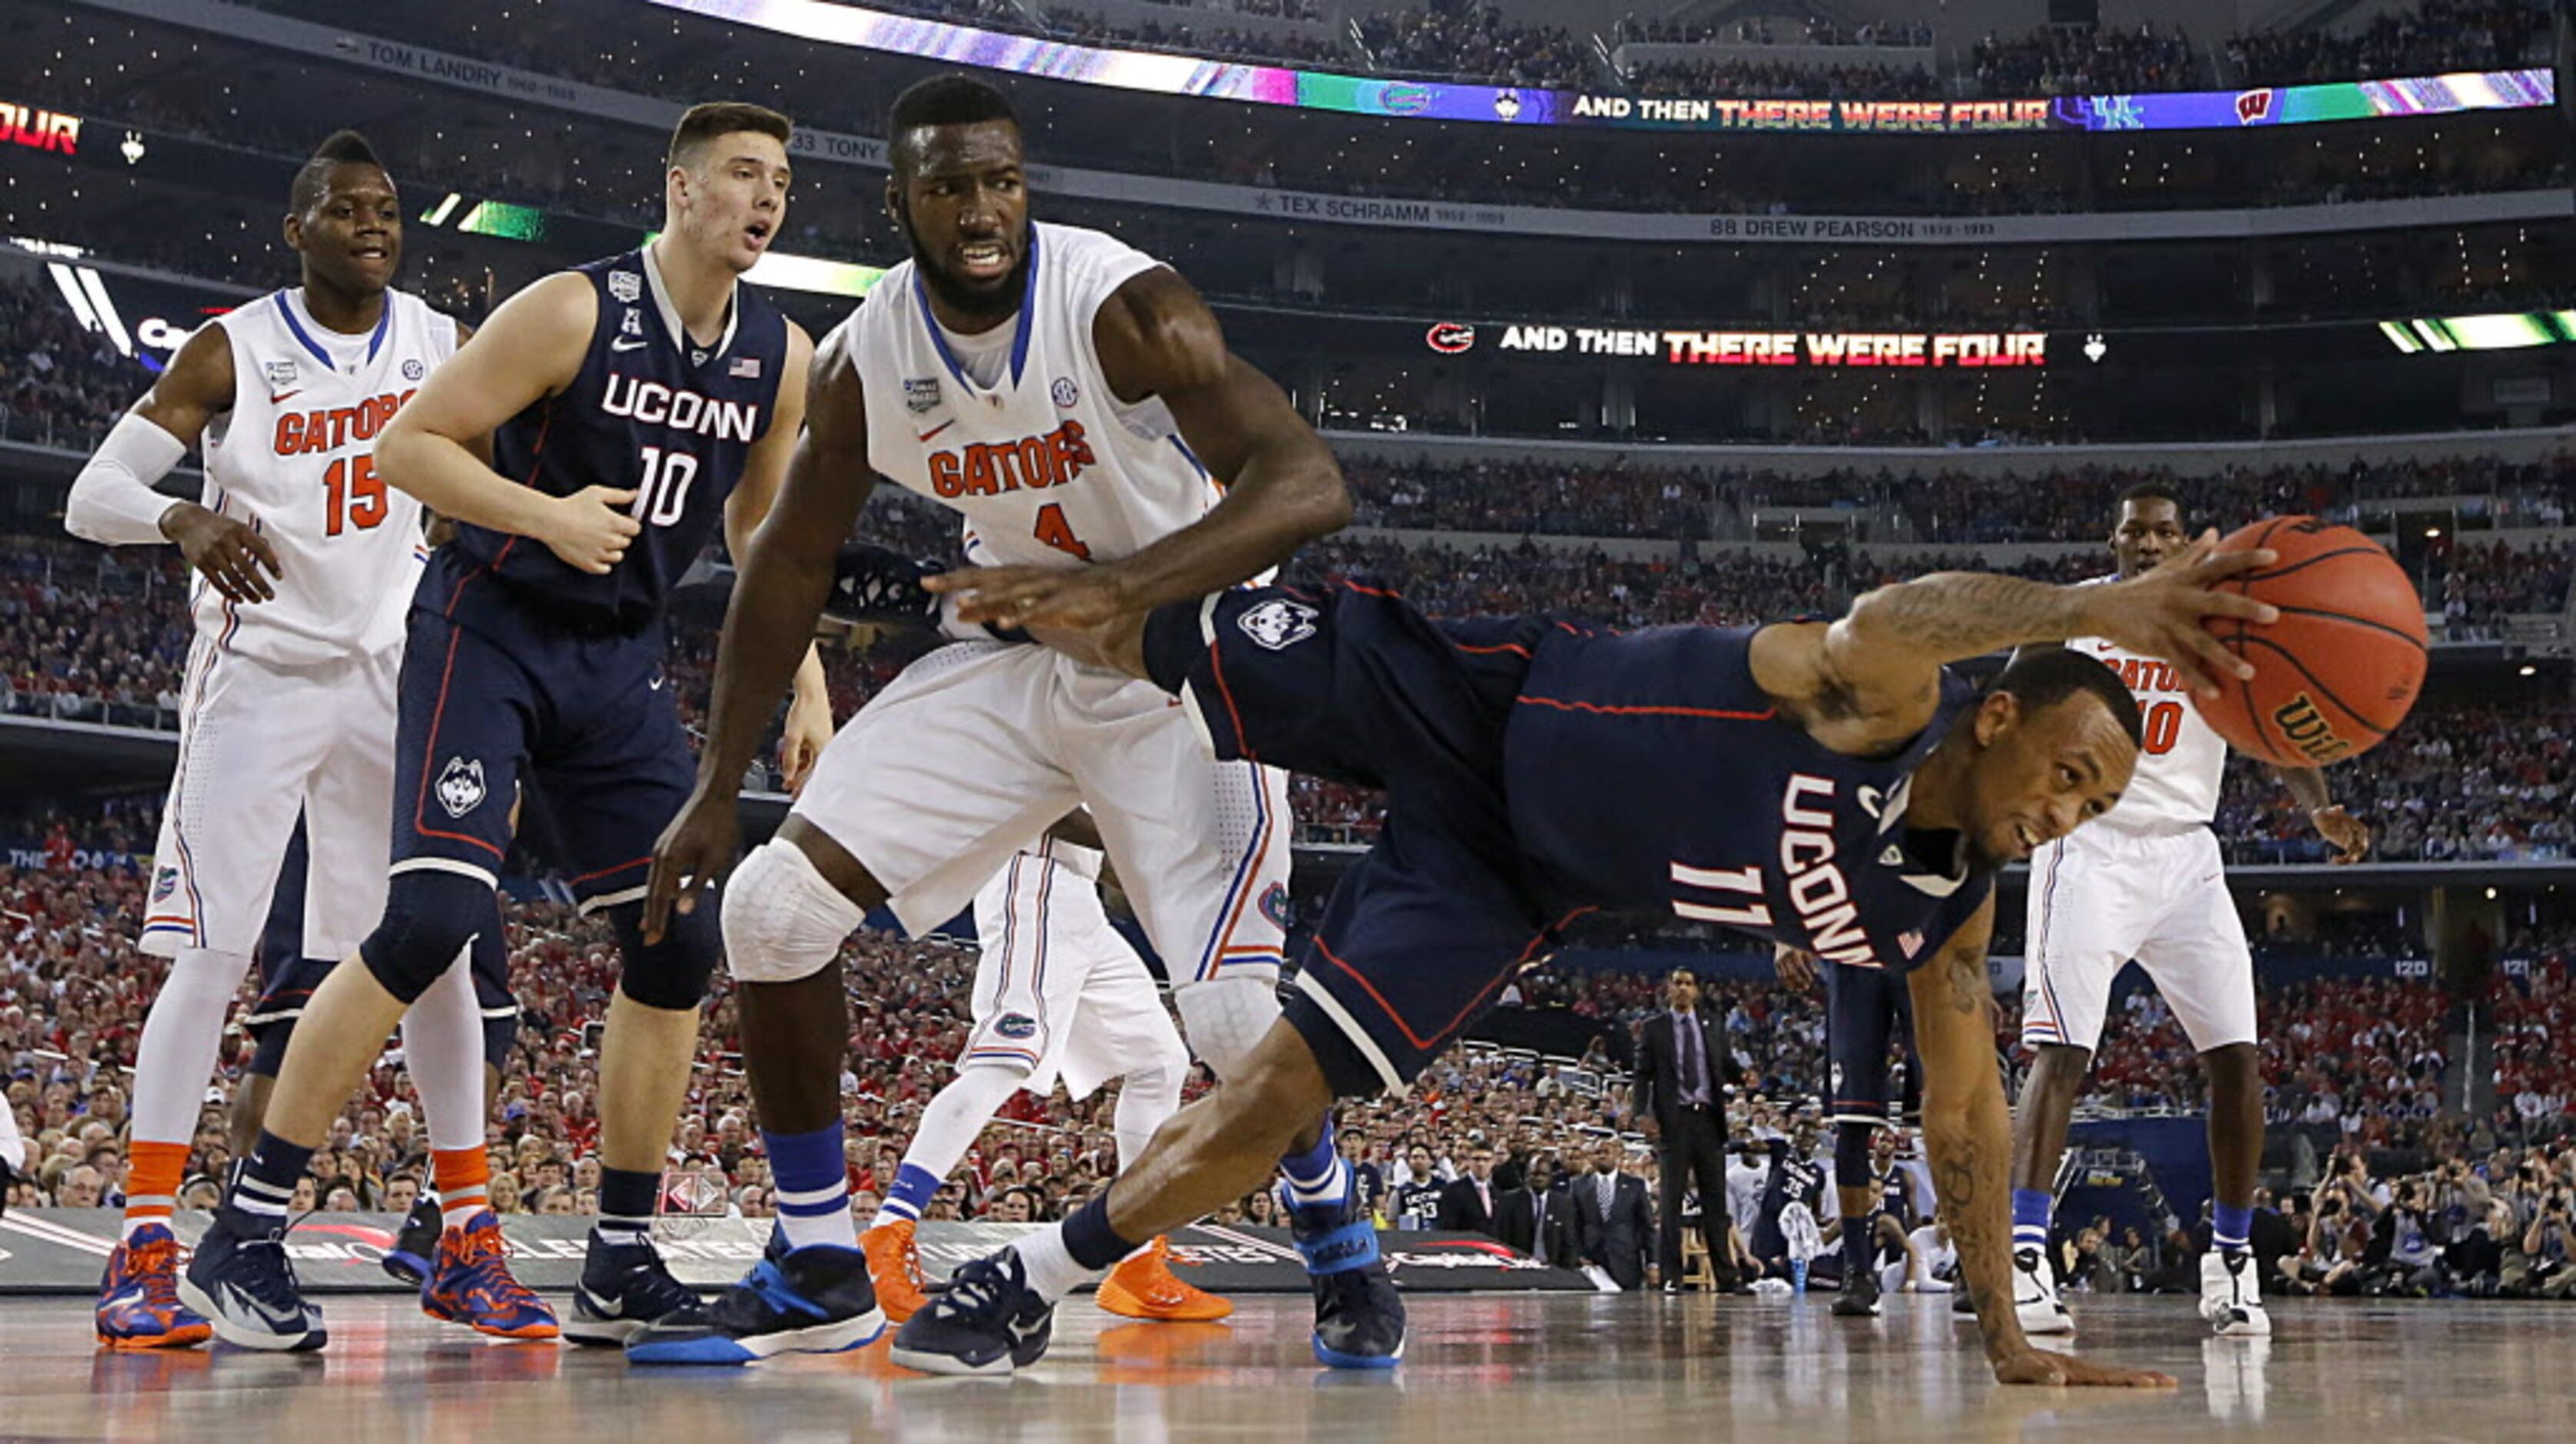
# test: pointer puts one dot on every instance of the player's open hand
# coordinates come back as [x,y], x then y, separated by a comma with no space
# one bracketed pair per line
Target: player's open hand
[228,552]
[2165,612]
[592,528]
[691,857]
[1035,596]
[2038,1366]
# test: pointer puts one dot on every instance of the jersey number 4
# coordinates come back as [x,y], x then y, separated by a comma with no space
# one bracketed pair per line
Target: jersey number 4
[1056,532]
[352,496]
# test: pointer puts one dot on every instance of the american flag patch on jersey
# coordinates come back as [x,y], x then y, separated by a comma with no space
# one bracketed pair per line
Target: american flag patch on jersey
[744,366]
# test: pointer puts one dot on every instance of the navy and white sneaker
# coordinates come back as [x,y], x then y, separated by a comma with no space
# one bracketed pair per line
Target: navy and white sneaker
[246,1288]
[984,1320]
[1359,1317]
[624,1290]
[815,1300]
[416,1244]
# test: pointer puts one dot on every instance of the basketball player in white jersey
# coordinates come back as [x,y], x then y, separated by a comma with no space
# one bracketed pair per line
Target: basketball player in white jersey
[1058,993]
[306,565]
[1075,401]
[2146,882]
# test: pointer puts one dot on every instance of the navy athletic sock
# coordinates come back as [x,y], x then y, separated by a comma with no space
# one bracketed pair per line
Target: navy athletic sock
[261,1191]
[1089,1238]
[626,1205]
[1859,1235]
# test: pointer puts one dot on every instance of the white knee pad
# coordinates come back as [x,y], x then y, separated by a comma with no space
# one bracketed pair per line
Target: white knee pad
[1225,1017]
[782,920]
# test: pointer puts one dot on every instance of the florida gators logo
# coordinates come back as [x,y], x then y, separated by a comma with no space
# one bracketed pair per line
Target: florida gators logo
[1016,1025]
[1274,905]
[164,883]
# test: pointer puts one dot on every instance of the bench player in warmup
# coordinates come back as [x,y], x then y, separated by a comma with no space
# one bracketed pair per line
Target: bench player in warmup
[1075,401]
[632,402]
[306,566]
[2149,884]
[1831,786]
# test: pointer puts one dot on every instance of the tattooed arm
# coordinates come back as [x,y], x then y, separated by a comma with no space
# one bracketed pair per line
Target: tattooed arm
[1869,681]
[1967,1135]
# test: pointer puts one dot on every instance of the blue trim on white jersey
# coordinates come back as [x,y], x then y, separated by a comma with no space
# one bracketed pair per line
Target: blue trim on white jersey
[1023,328]
[375,342]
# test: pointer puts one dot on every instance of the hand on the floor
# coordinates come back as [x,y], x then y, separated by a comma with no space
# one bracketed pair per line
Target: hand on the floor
[2039,1366]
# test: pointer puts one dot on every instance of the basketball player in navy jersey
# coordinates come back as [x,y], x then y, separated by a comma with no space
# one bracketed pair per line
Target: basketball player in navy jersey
[632,402]
[1866,1010]
[1831,786]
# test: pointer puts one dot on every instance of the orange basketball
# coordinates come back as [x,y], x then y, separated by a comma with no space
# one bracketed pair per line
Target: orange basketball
[2337,673]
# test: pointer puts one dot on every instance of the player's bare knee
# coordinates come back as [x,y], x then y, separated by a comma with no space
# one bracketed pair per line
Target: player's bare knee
[783,920]
[2233,1063]
[2058,1070]
[431,914]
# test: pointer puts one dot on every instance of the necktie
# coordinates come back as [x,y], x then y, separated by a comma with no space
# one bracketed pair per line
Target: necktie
[1538,1226]
[1687,1027]
[1601,1194]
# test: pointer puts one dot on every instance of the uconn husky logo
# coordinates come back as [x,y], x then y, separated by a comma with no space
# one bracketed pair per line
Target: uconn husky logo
[1278,623]
[460,786]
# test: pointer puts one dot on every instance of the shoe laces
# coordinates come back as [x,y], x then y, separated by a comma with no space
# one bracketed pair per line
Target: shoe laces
[907,1257]
[977,1291]
[484,1261]
[154,1267]
[649,1279]
[264,1262]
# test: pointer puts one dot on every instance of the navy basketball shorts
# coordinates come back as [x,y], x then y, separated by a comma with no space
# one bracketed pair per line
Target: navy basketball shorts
[287,977]
[1866,1010]
[1351,684]
[582,720]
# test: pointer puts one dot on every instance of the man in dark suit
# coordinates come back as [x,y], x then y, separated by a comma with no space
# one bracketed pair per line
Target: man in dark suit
[1467,1204]
[1610,1211]
[1538,1217]
[1681,1099]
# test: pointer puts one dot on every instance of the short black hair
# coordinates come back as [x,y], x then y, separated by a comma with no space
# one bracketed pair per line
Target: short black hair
[702,123]
[313,178]
[953,98]
[2151,491]
[2043,677]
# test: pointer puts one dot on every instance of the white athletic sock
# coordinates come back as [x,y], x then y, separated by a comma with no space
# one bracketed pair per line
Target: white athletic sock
[1051,1269]
[949,1126]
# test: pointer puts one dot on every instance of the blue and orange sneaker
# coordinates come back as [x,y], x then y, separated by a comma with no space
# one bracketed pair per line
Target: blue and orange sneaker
[470,1284]
[138,1299]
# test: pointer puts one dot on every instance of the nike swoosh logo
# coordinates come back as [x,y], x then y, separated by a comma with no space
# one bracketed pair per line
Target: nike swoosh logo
[623,344]
[934,431]
[285,395]
[241,1302]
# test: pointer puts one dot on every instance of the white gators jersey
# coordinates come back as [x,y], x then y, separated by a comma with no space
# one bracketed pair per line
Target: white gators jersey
[2181,758]
[1047,466]
[295,458]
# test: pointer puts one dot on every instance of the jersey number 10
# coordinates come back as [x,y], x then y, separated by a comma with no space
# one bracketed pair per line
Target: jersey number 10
[662,497]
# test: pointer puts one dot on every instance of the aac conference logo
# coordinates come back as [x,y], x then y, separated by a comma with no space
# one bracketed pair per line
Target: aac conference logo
[1450,338]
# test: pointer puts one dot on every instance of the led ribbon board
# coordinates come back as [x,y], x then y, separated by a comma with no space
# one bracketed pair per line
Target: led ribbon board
[1162,74]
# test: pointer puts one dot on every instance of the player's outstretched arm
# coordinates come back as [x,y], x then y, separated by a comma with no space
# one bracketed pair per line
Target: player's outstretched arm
[1967,1136]
[112,501]
[530,349]
[1283,488]
[1871,679]
[2349,835]
[783,573]
[809,709]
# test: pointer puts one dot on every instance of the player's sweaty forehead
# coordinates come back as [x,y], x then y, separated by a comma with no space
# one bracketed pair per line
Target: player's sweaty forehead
[950,152]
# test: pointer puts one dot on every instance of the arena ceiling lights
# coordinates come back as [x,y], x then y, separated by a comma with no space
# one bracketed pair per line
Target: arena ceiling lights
[2499,331]
[861,28]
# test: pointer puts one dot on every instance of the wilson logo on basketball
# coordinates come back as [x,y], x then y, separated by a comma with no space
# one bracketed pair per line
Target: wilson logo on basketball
[990,468]
[2308,730]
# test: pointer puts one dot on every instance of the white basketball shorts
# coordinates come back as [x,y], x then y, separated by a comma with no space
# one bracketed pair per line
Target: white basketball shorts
[257,744]
[976,749]
[2099,898]
[1057,990]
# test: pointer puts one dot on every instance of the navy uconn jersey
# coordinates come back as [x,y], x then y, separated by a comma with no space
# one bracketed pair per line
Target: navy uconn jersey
[651,411]
[1646,770]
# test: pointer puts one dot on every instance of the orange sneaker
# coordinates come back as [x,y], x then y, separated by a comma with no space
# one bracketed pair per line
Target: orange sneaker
[894,1266]
[1144,1287]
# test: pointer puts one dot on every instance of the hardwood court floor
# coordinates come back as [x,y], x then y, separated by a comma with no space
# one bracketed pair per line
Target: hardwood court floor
[1479,1368]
